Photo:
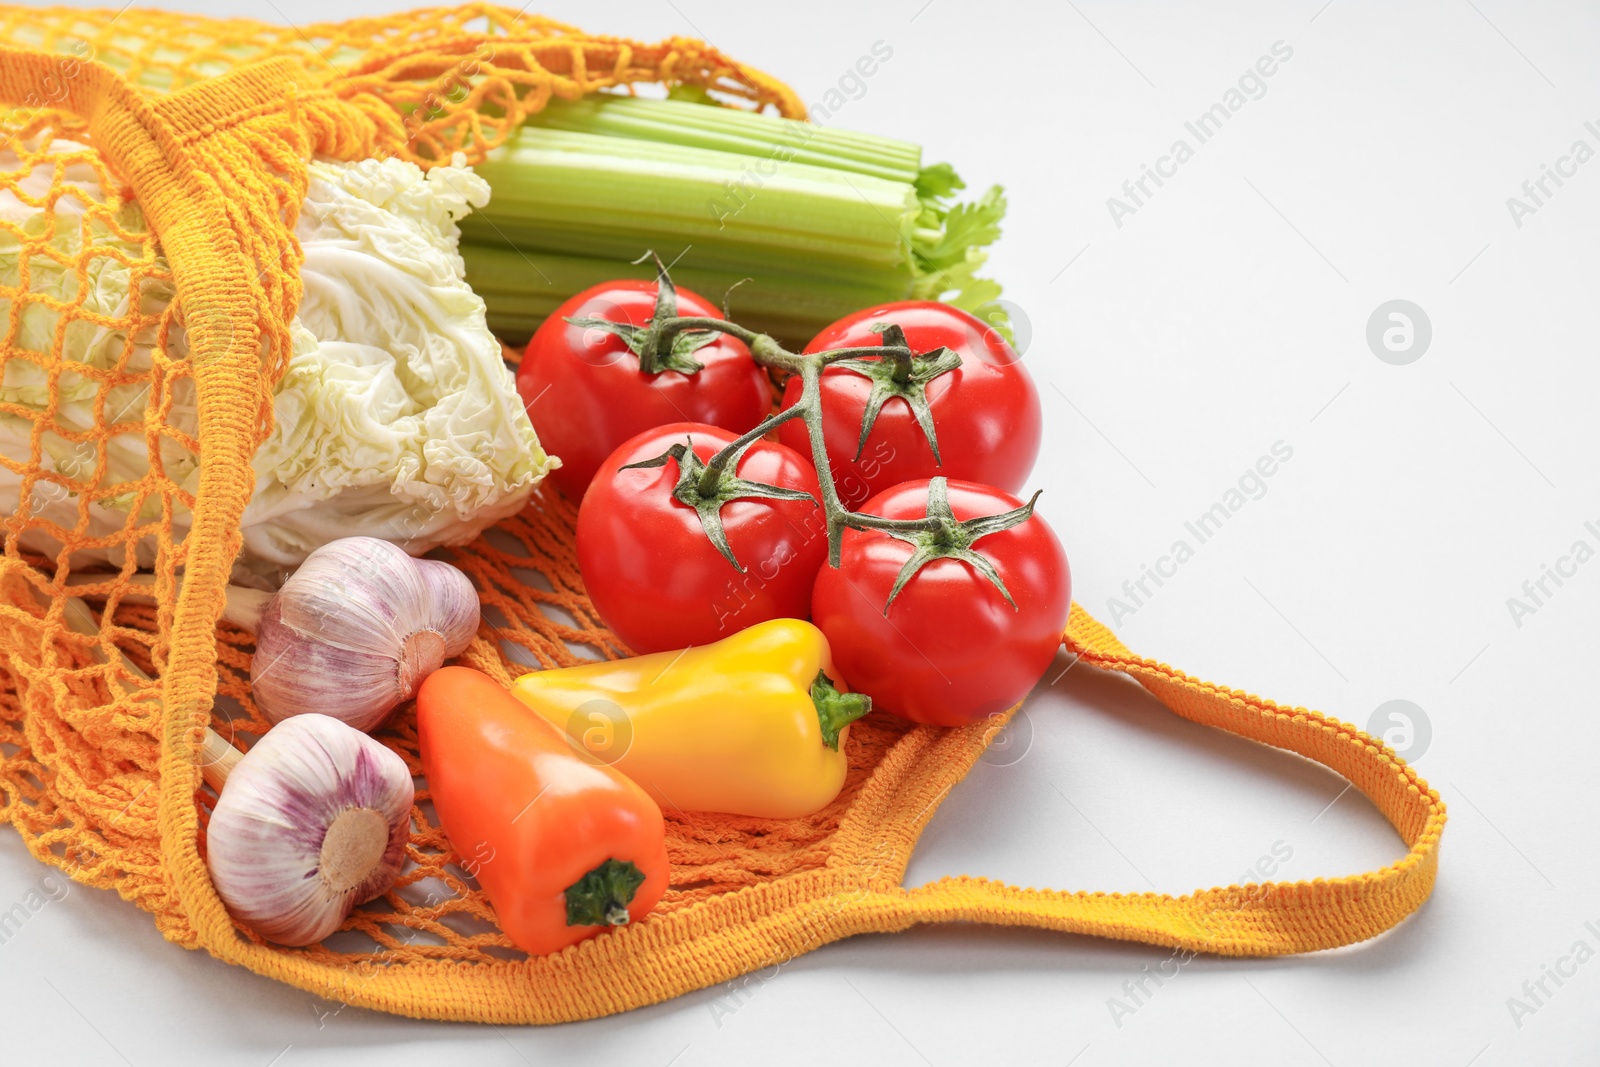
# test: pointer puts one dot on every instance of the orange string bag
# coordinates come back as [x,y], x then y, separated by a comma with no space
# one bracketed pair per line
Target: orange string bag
[100,769]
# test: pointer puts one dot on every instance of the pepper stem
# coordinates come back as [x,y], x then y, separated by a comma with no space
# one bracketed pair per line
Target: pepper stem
[601,897]
[836,709]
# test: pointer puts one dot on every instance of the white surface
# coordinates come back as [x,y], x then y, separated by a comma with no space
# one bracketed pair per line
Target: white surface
[1227,314]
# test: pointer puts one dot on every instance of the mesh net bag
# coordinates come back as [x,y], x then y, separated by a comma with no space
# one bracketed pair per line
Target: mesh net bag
[168,154]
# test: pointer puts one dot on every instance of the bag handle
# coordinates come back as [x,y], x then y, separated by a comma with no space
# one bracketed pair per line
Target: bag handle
[212,166]
[1257,920]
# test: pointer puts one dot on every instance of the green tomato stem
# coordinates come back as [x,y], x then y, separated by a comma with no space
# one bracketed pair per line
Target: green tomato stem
[672,327]
[808,366]
[711,477]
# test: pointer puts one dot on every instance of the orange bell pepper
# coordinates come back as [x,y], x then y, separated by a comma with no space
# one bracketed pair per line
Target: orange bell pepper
[563,847]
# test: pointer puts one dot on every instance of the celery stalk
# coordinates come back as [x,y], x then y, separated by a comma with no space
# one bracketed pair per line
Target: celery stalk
[522,287]
[553,187]
[821,222]
[725,130]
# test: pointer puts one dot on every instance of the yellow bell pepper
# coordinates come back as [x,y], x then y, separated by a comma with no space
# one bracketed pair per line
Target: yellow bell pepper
[754,724]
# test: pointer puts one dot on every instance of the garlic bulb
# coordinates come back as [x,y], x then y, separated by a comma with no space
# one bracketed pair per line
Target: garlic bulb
[312,821]
[356,629]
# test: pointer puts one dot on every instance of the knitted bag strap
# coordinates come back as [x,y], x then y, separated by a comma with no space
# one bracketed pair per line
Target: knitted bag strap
[219,169]
[1254,920]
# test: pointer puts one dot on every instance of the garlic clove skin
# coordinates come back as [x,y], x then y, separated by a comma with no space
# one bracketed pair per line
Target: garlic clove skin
[356,629]
[455,605]
[313,821]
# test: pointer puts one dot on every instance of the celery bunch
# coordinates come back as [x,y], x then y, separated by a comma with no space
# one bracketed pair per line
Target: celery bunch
[815,222]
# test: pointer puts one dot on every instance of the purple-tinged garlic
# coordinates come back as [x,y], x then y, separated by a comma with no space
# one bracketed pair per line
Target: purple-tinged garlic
[311,822]
[351,634]
[356,629]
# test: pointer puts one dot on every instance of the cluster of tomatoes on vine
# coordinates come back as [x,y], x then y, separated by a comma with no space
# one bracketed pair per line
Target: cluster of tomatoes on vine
[704,511]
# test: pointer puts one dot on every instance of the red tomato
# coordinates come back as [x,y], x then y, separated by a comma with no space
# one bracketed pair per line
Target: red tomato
[985,412]
[951,650]
[586,394]
[655,577]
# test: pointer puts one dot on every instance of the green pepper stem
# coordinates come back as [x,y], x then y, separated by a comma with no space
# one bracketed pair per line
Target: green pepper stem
[835,709]
[601,897]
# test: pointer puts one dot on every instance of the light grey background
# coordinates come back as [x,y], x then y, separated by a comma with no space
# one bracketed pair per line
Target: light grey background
[1229,312]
